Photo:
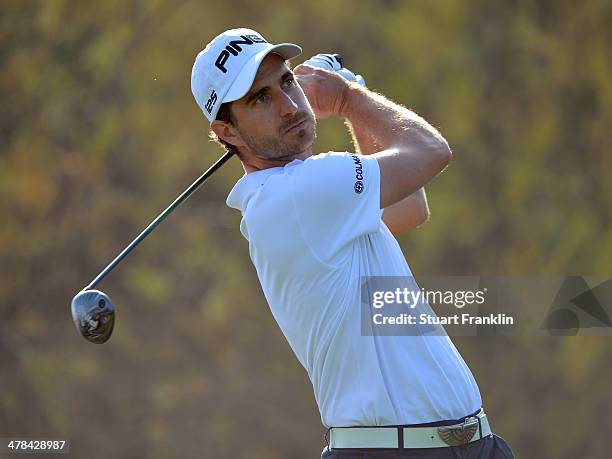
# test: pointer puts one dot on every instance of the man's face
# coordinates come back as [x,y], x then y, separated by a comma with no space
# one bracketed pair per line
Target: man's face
[274,119]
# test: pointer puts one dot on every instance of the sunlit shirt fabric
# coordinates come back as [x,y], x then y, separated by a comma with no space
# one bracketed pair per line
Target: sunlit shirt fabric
[313,234]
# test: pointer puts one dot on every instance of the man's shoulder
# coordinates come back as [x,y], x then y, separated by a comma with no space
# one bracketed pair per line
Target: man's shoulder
[310,168]
[328,156]
[324,165]
[276,184]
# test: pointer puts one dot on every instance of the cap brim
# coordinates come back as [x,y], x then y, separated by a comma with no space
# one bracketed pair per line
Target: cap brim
[245,78]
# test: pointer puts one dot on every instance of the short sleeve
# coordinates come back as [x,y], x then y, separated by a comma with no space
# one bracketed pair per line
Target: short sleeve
[337,199]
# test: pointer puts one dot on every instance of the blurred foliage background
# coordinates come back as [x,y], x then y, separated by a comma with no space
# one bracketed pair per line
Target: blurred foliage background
[99,133]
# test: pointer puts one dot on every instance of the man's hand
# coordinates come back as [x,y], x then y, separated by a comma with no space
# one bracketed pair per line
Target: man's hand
[325,90]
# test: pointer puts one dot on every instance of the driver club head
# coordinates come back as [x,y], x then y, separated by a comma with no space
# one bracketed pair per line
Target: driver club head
[93,315]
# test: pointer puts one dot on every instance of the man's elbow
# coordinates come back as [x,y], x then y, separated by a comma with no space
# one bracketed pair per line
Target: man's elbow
[423,215]
[418,215]
[437,155]
[403,226]
[444,153]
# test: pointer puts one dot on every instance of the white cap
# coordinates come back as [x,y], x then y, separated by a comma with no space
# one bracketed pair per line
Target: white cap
[224,71]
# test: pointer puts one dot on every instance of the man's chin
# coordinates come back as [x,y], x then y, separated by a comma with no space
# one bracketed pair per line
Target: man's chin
[305,138]
[299,147]
[306,142]
[299,151]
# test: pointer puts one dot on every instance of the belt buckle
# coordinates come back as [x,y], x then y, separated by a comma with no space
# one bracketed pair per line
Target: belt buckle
[459,434]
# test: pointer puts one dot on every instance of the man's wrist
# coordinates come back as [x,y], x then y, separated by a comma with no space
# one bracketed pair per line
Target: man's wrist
[349,94]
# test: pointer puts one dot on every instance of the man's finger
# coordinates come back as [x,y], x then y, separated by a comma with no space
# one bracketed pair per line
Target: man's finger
[303,69]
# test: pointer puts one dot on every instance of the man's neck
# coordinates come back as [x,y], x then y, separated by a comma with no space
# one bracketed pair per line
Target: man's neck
[255,163]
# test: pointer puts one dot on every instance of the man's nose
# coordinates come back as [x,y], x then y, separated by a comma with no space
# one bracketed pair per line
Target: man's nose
[288,107]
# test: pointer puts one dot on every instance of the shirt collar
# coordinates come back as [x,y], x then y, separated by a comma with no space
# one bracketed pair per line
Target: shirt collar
[249,183]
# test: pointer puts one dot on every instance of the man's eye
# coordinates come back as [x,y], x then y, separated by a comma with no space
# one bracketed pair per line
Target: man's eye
[262,99]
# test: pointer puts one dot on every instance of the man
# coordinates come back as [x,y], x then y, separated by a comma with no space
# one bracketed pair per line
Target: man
[316,226]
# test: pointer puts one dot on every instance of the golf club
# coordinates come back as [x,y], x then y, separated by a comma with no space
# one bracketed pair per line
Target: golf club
[93,312]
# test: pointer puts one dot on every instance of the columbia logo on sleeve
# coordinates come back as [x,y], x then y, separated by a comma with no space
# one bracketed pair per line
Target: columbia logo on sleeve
[358,174]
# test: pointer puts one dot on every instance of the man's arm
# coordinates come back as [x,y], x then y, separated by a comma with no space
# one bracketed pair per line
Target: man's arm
[410,152]
[407,214]
[402,216]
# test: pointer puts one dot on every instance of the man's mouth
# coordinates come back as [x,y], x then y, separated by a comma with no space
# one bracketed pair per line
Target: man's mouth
[297,125]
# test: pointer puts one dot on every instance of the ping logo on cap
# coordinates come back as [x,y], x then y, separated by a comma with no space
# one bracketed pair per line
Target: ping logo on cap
[226,68]
[234,48]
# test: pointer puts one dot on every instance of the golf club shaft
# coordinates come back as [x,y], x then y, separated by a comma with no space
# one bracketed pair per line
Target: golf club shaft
[177,202]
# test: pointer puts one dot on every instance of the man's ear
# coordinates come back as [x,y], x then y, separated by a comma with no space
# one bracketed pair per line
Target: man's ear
[227,132]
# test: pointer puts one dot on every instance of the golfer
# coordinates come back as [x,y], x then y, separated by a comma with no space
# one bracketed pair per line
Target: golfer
[317,224]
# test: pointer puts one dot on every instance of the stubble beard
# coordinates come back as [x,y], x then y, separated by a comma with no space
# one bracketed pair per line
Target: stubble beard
[275,147]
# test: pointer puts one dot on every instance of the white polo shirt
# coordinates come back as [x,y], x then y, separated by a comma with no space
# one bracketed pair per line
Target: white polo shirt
[314,229]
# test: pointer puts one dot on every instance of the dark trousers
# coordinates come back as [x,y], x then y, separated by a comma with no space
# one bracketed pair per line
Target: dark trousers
[489,447]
